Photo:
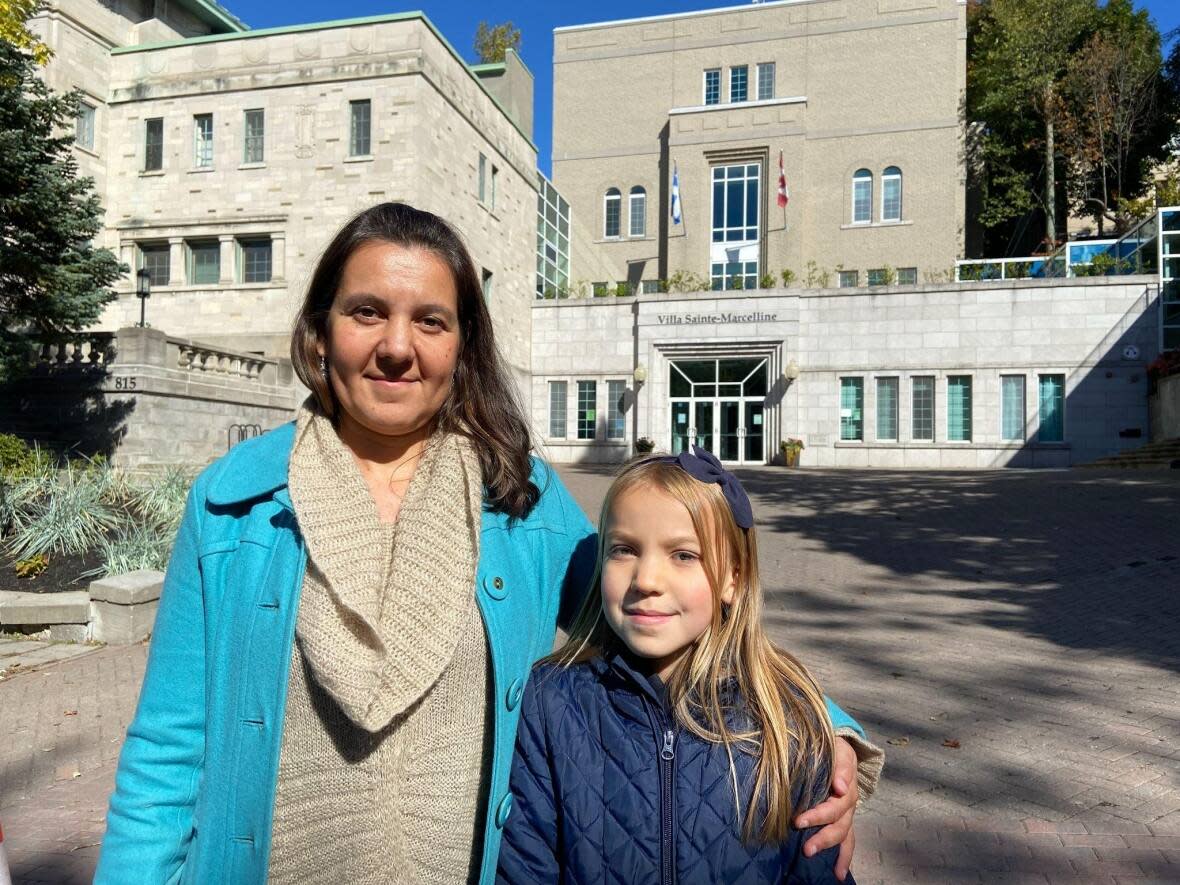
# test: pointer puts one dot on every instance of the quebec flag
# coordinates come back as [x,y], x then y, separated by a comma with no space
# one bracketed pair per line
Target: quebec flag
[675,195]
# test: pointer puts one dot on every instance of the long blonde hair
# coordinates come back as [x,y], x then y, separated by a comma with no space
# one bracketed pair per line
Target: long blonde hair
[789,731]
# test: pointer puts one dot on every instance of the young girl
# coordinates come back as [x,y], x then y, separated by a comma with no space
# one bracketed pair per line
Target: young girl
[669,740]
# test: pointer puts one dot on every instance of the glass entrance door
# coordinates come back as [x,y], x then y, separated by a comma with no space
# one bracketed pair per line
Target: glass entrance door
[718,404]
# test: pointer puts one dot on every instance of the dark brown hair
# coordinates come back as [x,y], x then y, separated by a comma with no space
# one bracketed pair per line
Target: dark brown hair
[483,404]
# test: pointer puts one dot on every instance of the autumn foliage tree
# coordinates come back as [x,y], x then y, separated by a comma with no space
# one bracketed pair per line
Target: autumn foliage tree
[492,42]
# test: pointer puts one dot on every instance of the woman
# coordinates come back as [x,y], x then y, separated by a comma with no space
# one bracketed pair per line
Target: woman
[326,697]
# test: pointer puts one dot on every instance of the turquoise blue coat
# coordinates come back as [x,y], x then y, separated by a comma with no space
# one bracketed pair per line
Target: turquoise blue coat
[195,787]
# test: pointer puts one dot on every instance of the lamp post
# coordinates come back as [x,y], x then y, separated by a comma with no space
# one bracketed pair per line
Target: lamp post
[143,291]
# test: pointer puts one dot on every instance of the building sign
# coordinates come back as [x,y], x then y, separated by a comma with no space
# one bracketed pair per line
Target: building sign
[714,319]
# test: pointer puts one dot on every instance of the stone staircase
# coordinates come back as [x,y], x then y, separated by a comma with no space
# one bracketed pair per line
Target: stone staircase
[1160,455]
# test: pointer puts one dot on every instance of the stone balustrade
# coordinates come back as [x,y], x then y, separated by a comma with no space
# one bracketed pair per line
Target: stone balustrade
[194,357]
[84,350]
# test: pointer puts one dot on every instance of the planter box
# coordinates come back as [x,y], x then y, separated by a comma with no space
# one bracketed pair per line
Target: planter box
[119,610]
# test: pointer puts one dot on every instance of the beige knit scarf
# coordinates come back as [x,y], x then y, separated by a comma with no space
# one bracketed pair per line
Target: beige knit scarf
[378,630]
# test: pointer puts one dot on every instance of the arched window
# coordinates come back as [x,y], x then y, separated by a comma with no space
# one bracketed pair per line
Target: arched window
[638,227]
[612,205]
[891,194]
[862,197]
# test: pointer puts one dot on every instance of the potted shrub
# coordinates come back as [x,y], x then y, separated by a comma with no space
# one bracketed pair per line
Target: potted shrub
[791,448]
[644,446]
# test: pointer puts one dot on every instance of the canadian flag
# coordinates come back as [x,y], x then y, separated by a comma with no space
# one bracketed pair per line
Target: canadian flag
[784,194]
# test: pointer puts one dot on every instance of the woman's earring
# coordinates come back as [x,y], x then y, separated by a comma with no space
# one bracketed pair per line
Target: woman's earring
[324,368]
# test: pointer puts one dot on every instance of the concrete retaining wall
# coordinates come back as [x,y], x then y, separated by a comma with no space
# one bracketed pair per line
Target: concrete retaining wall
[143,398]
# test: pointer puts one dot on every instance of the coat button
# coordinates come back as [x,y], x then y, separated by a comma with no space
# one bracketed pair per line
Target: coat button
[503,810]
[515,690]
[495,587]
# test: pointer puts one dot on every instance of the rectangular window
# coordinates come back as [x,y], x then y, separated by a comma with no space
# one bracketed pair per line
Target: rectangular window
[638,226]
[153,144]
[765,80]
[253,147]
[486,283]
[739,77]
[907,276]
[862,199]
[256,260]
[852,401]
[1052,417]
[1011,407]
[204,262]
[650,287]
[958,408]
[887,389]
[203,141]
[891,196]
[615,426]
[922,408]
[849,279]
[495,184]
[736,202]
[613,206]
[483,178]
[878,276]
[587,413]
[360,123]
[155,258]
[84,131]
[713,86]
[557,409]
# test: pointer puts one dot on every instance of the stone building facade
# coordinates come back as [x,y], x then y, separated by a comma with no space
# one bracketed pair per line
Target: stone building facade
[861,97]
[227,158]
[1023,374]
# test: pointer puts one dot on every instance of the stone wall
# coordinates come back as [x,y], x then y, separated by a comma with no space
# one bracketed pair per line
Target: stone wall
[1165,409]
[1099,333]
[146,399]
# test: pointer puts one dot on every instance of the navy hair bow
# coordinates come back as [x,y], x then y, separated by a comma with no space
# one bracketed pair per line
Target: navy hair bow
[704,467]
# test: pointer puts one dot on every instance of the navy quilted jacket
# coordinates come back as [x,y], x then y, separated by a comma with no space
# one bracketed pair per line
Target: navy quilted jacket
[607,789]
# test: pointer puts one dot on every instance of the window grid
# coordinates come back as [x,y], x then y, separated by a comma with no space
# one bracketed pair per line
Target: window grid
[558,392]
[849,279]
[736,203]
[84,134]
[253,148]
[958,408]
[638,223]
[739,77]
[587,412]
[852,398]
[611,213]
[765,80]
[483,178]
[878,276]
[713,86]
[615,424]
[203,141]
[891,194]
[922,408]
[153,144]
[1052,409]
[553,245]
[204,262]
[887,408]
[907,276]
[155,258]
[256,260]
[360,128]
[1012,408]
[862,197]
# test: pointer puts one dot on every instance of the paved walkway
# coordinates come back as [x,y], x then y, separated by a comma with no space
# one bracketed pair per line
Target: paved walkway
[1012,637]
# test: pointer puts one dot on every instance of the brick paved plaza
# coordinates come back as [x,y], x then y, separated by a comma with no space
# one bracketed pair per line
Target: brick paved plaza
[1031,618]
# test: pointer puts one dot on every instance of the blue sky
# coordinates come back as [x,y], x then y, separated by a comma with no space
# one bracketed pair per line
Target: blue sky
[536,20]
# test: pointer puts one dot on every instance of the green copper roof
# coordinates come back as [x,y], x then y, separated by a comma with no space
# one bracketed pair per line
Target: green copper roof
[214,14]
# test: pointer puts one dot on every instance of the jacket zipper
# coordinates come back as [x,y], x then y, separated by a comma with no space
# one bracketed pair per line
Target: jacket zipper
[667,757]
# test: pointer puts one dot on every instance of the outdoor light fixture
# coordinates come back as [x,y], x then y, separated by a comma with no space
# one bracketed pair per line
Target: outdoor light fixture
[791,372]
[143,291]
[640,375]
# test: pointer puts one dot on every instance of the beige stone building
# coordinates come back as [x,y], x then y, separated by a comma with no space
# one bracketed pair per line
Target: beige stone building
[861,97]
[226,158]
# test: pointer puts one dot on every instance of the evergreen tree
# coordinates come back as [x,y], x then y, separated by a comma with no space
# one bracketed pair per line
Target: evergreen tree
[52,280]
